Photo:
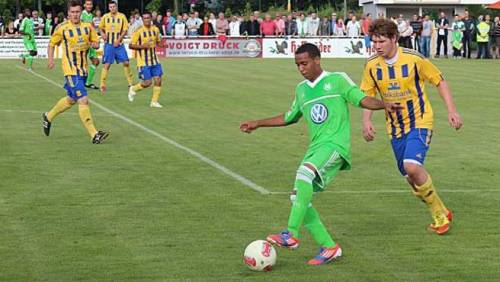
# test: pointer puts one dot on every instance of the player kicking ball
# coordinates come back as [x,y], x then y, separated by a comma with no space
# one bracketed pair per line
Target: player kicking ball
[399,75]
[322,99]
[144,41]
[76,38]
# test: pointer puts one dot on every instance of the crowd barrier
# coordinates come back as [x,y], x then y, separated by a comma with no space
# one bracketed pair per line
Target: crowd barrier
[221,46]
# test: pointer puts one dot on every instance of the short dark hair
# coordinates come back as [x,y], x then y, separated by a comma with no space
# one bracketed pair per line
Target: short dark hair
[383,27]
[111,2]
[74,3]
[147,13]
[309,48]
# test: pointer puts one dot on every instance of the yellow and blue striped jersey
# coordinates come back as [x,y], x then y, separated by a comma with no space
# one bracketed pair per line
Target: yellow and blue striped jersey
[113,26]
[75,41]
[151,36]
[402,83]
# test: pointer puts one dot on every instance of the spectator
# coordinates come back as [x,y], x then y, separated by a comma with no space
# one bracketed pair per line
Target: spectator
[252,26]
[180,29]
[313,24]
[192,25]
[496,34]
[268,26]
[206,28]
[469,28]
[18,21]
[257,16]
[49,24]
[10,31]
[168,23]
[38,23]
[221,25]
[212,20]
[405,31]
[302,27]
[158,22]
[340,27]
[353,27]
[290,26]
[185,17]
[333,24]
[490,35]
[324,27]
[2,26]
[135,22]
[425,36]
[456,37]
[280,25]
[442,38]
[96,21]
[234,26]
[365,27]
[482,38]
[416,25]
[349,17]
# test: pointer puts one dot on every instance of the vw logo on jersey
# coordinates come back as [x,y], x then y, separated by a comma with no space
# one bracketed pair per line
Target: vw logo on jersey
[319,113]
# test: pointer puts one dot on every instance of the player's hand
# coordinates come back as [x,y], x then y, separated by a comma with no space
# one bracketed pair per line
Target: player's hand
[50,65]
[368,131]
[95,45]
[104,37]
[392,107]
[117,43]
[248,126]
[455,120]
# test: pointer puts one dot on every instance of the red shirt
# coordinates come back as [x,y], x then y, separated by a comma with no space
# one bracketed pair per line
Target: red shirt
[267,28]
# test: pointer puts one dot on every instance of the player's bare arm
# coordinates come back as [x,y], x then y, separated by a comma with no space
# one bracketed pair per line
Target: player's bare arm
[50,54]
[368,128]
[453,117]
[251,125]
[370,104]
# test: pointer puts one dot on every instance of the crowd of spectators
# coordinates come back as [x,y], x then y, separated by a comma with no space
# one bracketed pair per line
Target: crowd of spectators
[414,33]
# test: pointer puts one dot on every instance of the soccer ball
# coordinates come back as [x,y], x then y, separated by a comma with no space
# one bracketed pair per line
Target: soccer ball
[260,255]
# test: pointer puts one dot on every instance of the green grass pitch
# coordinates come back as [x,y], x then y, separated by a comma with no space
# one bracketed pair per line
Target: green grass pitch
[139,208]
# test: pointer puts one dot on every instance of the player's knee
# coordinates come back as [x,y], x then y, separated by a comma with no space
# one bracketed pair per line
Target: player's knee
[95,62]
[33,53]
[146,83]
[412,170]
[157,81]
[305,173]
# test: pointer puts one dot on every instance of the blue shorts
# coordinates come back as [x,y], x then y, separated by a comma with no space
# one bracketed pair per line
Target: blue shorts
[75,86]
[368,42]
[147,72]
[112,54]
[412,147]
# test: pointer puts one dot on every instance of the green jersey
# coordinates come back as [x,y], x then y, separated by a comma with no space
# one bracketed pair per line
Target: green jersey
[28,27]
[87,17]
[323,104]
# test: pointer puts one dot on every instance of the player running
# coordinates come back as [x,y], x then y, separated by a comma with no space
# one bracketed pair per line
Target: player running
[88,17]
[144,41]
[322,99]
[27,30]
[76,38]
[113,27]
[399,75]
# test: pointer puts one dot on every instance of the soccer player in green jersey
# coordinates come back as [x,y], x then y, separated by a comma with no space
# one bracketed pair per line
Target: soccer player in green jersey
[322,99]
[88,17]
[27,30]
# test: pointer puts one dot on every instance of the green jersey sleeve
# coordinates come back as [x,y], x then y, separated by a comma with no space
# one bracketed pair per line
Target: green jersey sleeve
[294,113]
[349,90]
[23,26]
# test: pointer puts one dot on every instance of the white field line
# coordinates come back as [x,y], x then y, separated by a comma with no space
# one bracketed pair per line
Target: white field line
[375,191]
[193,153]
[39,112]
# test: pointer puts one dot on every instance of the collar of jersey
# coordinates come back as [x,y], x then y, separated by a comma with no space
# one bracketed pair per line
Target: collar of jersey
[317,80]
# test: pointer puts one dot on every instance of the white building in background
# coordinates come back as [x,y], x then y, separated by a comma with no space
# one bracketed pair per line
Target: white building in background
[389,8]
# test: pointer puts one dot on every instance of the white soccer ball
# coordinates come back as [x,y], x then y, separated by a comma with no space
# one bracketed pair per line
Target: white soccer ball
[260,255]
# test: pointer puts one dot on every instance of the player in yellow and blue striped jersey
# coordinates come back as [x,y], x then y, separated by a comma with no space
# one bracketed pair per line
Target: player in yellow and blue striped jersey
[399,76]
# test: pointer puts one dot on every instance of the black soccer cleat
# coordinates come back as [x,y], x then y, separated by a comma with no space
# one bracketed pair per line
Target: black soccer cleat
[46,124]
[91,86]
[99,137]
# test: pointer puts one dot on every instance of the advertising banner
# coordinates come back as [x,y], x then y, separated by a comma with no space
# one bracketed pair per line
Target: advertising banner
[329,47]
[14,47]
[212,47]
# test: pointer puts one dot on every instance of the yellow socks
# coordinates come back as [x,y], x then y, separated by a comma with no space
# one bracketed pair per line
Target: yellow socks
[86,119]
[104,76]
[128,75]
[427,192]
[137,87]
[156,94]
[61,106]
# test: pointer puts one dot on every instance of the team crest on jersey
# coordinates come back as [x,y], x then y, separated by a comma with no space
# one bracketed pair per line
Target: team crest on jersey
[327,87]
[319,113]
